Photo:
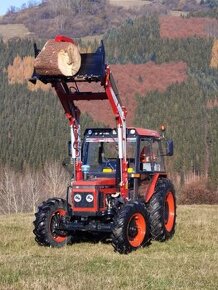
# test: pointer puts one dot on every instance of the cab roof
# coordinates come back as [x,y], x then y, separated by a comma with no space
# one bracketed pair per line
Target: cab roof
[146,132]
[131,132]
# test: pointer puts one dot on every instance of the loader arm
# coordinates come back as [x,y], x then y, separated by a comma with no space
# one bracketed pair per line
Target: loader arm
[93,69]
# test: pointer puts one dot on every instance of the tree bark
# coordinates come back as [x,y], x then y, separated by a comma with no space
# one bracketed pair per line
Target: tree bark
[58,58]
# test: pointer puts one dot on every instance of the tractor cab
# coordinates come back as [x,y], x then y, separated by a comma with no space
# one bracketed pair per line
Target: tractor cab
[101,177]
[144,152]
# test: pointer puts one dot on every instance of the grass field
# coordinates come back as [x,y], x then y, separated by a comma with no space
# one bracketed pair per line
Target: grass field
[188,261]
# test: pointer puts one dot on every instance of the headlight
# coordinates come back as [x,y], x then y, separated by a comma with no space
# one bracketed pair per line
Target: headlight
[89,198]
[77,197]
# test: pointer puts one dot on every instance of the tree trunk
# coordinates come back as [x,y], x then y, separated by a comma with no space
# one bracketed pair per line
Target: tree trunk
[58,58]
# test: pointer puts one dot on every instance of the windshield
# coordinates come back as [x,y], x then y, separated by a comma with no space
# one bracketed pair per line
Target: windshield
[102,154]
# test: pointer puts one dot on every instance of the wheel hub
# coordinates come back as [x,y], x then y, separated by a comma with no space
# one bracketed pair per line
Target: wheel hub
[55,223]
[133,230]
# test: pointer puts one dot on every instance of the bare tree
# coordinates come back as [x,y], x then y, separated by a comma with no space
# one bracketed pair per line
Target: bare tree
[55,179]
[31,188]
[23,191]
[8,191]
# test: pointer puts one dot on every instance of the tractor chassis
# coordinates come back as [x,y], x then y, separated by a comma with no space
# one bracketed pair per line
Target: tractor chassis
[85,226]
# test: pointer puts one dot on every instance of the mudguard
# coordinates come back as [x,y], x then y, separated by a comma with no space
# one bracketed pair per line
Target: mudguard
[152,185]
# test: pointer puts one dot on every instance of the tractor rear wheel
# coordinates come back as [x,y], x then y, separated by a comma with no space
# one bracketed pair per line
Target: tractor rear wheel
[162,211]
[47,222]
[131,228]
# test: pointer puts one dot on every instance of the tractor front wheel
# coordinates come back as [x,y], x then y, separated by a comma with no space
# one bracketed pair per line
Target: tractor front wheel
[47,223]
[131,228]
[162,211]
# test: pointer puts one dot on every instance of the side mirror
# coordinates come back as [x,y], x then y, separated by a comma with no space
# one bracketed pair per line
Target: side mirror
[169,147]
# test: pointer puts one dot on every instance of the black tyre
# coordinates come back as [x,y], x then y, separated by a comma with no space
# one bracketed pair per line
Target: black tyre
[131,228]
[47,221]
[162,211]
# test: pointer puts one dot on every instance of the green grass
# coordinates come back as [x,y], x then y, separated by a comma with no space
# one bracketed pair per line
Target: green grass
[188,261]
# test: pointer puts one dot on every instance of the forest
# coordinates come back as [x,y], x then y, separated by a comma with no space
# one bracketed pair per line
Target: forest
[186,109]
[34,132]
[46,18]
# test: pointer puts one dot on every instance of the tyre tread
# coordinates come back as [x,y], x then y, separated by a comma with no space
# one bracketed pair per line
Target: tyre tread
[155,210]
[119,241]
[43,214]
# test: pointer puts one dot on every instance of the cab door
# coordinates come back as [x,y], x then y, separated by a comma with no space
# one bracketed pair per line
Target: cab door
[150,155]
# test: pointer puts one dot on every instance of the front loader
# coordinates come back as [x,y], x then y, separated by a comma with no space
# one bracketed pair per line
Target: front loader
[119,187]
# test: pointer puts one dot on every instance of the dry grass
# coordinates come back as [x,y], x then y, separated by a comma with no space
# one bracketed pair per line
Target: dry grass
[214,55]
[188,261]
[129,3]
[8,31]
[92,38]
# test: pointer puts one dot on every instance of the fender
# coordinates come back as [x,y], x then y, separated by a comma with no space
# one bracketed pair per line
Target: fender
[152,185]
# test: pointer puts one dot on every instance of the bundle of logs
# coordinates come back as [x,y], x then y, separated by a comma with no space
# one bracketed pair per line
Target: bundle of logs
[58,58]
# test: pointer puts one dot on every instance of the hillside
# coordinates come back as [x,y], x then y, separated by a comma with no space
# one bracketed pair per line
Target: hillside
[171,27]
[137,4]
[156,77]
[188,261]
[70,17]
[131,79]
[86,17]
[8,31]
[164,75]
[136,79]
[178,27]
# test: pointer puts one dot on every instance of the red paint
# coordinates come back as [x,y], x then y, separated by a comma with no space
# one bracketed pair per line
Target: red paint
[170,207]
[62,38]
[79,174]
[59,239]
[85,209]
[141,227]
[95,182]
[152,186]
[94,187]
[124,186]
[120,113]
[147,132]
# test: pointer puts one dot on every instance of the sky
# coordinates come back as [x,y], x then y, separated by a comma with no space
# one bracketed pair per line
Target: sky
[5,4]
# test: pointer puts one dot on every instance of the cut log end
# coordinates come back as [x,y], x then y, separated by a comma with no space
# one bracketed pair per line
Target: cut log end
[58,58]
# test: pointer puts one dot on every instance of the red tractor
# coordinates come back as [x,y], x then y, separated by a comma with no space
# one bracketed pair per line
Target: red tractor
[120,187]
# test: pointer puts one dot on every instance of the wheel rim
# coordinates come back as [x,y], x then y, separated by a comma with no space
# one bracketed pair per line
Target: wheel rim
[169,213]
[136,230]
[57,235]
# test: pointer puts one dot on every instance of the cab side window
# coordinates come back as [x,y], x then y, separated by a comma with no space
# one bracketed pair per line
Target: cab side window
[150,155]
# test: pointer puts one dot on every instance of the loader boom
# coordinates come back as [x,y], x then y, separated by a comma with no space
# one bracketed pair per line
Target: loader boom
[93,69]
